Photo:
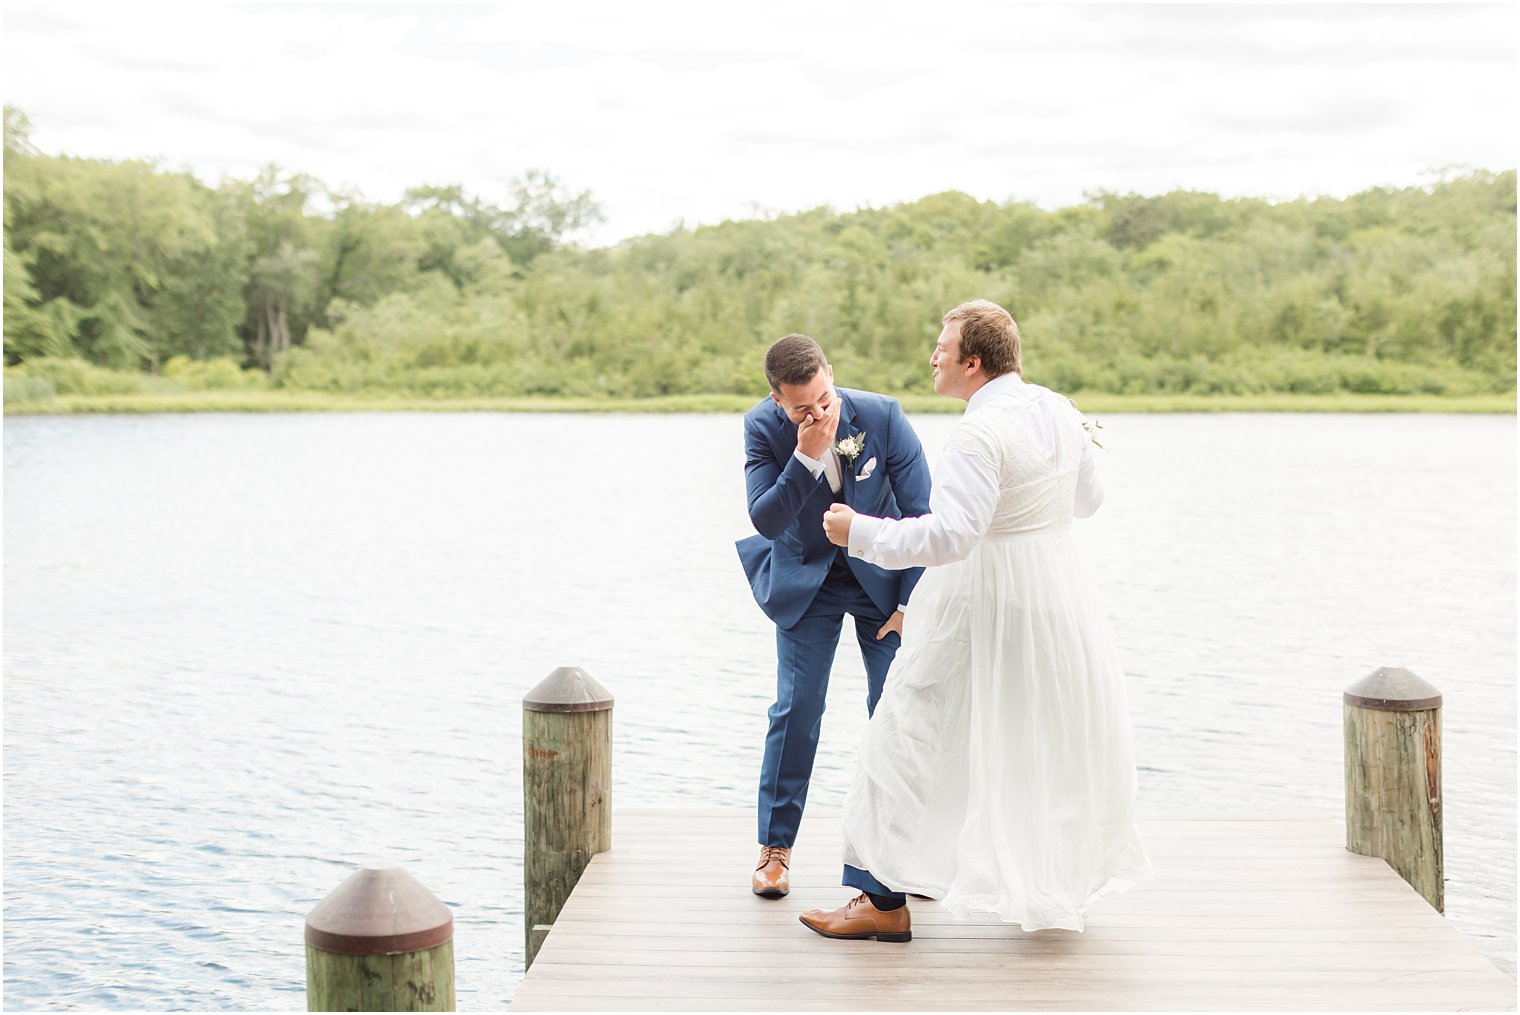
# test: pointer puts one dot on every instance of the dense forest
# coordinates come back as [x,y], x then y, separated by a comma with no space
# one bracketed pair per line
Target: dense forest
[123,276]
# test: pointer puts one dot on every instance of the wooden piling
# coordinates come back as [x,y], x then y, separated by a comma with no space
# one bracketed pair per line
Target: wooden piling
[1393,777]
[380,942]
[567,792]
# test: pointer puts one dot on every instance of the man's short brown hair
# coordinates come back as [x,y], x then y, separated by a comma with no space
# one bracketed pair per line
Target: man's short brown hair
[795,359]
[989,333]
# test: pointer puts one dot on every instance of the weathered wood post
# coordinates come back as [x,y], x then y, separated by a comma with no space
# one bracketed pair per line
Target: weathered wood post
[1393,777]
[567,792]
[380,942]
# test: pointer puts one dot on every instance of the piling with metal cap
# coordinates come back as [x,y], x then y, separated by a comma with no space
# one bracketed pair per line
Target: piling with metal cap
[1393,777]
[380,942]
[567,792]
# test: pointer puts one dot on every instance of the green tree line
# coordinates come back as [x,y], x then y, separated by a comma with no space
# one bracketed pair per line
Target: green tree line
[118,271]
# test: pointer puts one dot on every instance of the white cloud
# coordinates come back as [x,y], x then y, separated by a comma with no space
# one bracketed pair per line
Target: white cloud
[698,112]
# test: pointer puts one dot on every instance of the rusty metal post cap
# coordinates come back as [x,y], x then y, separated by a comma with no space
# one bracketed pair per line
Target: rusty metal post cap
[1392,689]
[568,689]
[379,910]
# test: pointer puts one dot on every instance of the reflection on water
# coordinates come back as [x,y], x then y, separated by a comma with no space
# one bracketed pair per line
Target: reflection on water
[245,654]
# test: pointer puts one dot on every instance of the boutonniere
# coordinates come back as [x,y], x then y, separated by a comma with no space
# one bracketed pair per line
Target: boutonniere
[850,447]
[1092,426]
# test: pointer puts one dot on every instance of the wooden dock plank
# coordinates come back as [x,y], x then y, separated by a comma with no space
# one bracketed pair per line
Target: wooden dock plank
[1247,912]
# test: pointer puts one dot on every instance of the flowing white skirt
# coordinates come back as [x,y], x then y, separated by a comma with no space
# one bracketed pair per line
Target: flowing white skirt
[997,774]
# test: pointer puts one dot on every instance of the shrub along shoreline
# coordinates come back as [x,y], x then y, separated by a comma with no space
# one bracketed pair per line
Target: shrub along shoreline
[1091,403]
[50,386]
[128,288]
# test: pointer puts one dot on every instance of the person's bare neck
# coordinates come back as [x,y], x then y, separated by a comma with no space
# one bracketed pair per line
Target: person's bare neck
[973,386]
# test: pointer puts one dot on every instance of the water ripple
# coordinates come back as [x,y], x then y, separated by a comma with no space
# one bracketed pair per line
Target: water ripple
[244,655]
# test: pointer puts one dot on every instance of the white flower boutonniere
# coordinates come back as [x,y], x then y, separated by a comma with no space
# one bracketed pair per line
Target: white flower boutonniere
[850,447]
[1092,426]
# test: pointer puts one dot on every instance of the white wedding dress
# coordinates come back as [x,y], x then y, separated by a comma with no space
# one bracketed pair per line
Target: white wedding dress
[997,774]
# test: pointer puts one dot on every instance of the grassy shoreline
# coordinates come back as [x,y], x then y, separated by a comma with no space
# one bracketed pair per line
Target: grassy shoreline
[1092,402]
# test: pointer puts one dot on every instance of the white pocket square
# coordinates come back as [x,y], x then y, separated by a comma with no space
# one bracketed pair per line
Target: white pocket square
[865,471]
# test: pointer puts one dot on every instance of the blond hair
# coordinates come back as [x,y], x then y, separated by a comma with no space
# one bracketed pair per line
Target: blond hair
[989,333]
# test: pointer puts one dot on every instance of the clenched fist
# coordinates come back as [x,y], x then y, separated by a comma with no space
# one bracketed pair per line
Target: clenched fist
[836,523]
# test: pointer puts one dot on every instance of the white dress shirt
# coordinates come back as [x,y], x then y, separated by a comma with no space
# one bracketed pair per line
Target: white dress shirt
[965,492]
[829,465]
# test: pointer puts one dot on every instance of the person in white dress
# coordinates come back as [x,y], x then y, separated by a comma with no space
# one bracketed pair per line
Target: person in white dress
[997,773]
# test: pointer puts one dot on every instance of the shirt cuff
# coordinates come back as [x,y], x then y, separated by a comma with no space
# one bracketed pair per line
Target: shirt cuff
[813,465]
[863,530]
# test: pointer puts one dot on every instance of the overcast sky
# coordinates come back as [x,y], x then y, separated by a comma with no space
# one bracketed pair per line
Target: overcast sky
[695,113]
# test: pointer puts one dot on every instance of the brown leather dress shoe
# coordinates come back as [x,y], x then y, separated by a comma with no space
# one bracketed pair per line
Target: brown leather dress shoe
[858,919]
[772,880]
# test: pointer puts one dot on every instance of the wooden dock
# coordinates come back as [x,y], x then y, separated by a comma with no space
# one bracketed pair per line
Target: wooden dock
[1247,912]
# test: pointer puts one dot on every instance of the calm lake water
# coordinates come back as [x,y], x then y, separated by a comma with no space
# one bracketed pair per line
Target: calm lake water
[244,654]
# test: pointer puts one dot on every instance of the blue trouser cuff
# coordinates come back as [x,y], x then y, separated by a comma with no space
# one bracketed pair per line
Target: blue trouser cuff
[862,881]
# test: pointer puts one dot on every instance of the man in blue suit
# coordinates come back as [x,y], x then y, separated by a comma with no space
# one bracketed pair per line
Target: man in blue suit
[807,446]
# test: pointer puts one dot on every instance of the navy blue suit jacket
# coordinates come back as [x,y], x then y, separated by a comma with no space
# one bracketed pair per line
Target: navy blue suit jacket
[787,562]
